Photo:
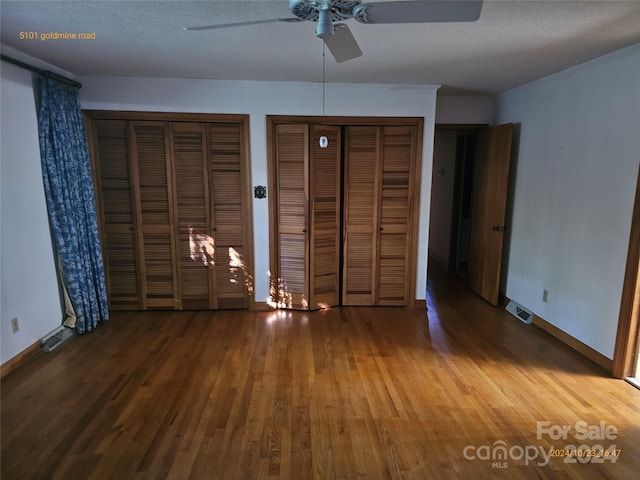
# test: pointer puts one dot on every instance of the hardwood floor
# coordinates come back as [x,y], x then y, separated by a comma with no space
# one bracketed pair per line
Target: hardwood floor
[366,393]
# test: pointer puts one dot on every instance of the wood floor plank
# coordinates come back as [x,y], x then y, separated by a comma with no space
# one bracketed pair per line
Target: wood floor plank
[343,393]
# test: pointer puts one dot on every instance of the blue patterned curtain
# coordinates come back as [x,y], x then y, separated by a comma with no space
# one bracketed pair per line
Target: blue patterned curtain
[69,191]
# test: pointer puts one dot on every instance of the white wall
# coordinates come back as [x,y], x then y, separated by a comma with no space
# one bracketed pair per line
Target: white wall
[470,110]
[259,99]
[28,281]
[575,180]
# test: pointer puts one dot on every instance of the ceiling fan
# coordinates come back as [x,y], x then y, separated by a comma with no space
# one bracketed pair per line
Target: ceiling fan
[336,35]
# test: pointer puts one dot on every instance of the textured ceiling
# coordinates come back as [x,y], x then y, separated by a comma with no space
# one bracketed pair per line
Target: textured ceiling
[512,43]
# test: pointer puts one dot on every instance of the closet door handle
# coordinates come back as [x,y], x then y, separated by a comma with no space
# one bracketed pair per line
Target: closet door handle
[214,229]
[381,229]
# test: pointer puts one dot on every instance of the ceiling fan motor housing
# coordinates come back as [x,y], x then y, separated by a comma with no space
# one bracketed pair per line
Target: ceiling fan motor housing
[339,10]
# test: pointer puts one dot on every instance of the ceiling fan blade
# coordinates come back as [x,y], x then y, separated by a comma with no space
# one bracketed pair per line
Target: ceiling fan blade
[342,44]
[425,11]
[243,24]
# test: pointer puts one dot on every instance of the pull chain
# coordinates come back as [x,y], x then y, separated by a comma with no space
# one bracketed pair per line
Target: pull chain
[323,141]
[323,77]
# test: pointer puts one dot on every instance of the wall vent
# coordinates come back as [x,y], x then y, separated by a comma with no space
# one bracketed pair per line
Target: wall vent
[519,312]
[56,338]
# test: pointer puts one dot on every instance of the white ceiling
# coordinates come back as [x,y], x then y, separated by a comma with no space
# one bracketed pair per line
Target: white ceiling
[512,43]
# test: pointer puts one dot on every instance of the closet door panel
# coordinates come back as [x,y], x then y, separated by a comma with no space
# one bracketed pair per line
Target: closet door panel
[151,155]
[393,269]
[292,160]
[361,185]
[232,282]
[116,200]
[324,275]
[395,213]
[195,244]
[159,272]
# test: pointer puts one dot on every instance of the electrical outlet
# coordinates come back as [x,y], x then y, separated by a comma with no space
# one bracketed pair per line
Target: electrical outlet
[15,326]
[545,296]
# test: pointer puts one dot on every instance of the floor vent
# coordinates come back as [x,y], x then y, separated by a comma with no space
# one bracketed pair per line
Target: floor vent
[56,338]
[519,312]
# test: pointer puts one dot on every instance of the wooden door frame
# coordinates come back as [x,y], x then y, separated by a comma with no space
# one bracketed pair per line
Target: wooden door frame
[417,122]
[628,334]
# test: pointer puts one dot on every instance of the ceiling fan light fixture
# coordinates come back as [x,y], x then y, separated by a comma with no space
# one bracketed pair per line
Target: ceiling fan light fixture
[325,23]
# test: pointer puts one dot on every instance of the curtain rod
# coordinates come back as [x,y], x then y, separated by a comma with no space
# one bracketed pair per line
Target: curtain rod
[39,71]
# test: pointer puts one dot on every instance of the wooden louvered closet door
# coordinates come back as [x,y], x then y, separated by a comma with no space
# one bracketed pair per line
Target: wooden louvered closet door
[379,192]
[209,197]
[196,252]
[150,157]
[290,285]
[174,201]
[361,179]
[118,213]
[396,193]
[324,248]
[308,211]
[226,171]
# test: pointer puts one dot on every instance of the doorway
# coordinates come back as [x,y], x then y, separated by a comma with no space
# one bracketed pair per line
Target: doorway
[466,144]
[477,191]
[451,196]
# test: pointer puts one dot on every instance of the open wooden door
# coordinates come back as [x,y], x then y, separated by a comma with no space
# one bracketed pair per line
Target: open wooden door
[626,356]
[488,210]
